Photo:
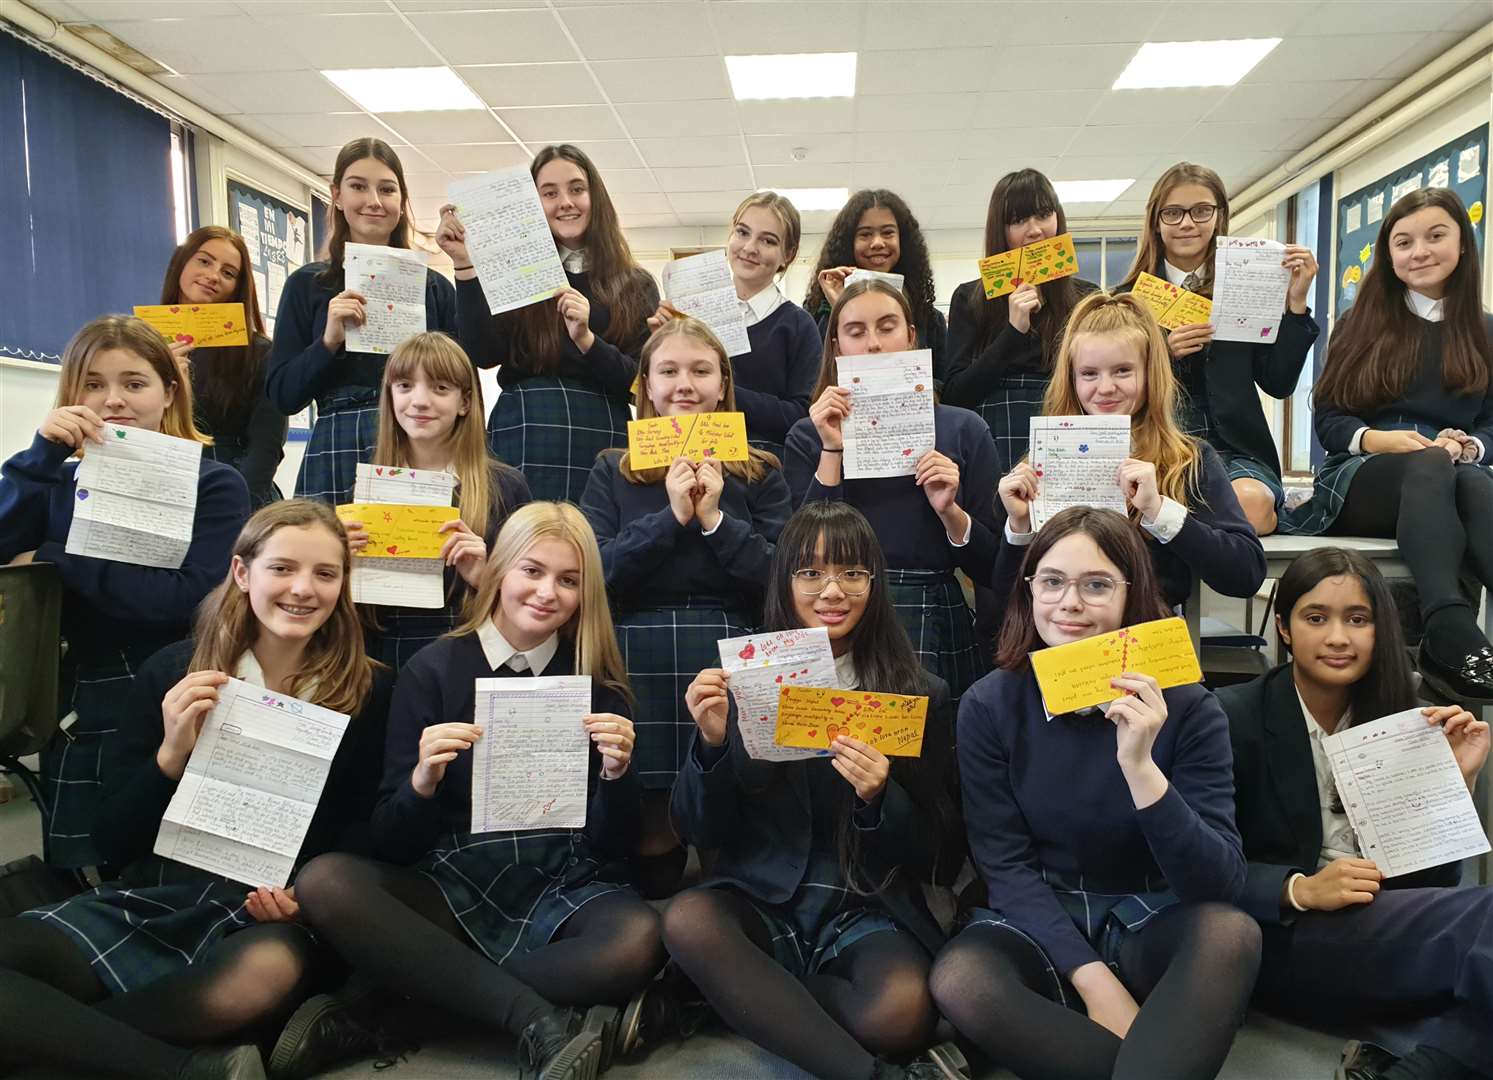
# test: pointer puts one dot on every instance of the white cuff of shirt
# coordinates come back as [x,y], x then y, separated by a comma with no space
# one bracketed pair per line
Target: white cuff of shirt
[1169,521]
[720,518]
[1355,444]
[1016,539]
[1481,449]
[969,529]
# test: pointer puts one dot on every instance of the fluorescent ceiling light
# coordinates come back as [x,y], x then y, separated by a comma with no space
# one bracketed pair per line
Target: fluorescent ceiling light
[418,89]
[792,75]
[1090,191]
[815,198]
[1193,63]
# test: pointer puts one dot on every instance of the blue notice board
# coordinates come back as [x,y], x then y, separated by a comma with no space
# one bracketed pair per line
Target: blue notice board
[1461,165]
[278,236]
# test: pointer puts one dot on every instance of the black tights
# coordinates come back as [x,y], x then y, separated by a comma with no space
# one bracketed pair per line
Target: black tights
[58,1013]
[1191,969]
[871,999]
[1438,512]
[393,924]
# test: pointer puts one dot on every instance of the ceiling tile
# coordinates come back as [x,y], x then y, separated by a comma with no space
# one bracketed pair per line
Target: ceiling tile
[1378,17]
[1084,22]
[564,123]
[1107,166]
[1124,139]
[1351,56]
[495,37]
[195,46]
[641,31]
[708,202]
[1220,20]
[413,7]
[1181,106]
[922,71]
[506,85]
[1024,108]
[319,159]
[934,24]
[641,202]
[1286,101]
[684,78]
[899,176]
[200,89]
[323,129]
[476,158]
[631,220]
[909,145]
[794,117]
[61,11]
[263,132]
[718,178]
[913,112]
[1358,96]
[457,126]
[1209,138]
[710,117]
[94,10]
[1073,67]
[684,153]
[1011,143]
[611,154]
[268,92]
[752,26]
[781,149]
[802,176]
[342,41]
[630,180]
[312,7]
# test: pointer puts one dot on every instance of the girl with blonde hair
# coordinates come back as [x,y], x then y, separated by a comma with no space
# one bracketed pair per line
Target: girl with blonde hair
[430,420]
[685,549]
[1113,361]
[553,923]
[115,370]
[128,977]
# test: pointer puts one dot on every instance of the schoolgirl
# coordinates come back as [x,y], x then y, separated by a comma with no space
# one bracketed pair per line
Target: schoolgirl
[1404,409]
[1113,362]
[127,978]
[685,549]
[1344,944]
[875,230]
[812,937]
[775,379]
[1186,213]
[1105,841]
[114,614]
[566,367]
[929,524]
[310,361]
[1001,351]
[551,922]
[430,420]
[212,267]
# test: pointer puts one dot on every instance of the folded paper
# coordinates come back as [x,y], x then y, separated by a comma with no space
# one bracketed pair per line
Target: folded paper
[1046,260]
[1172,305]
[657,441]
[197,325]
[400,532]
[812,718]
[1077,675]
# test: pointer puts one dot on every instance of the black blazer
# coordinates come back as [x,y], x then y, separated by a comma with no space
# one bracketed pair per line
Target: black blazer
[1279,811]
[757,814]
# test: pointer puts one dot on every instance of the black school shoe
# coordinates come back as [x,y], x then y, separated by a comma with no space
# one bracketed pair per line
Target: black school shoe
[564,1044]
[1364,1061]
[668,1009]
[329,1029]
[1470,681]
[238,1063]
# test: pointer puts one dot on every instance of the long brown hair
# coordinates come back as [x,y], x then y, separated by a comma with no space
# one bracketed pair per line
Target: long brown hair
[338,233]
[440,359]
[1152,251]
[1016,197]
[334,668]
[829,367]
[1121,544]
[537,331]
[755,467]
[590,629]
[1154,434]
[145,341]
[229,385]
[1375,349]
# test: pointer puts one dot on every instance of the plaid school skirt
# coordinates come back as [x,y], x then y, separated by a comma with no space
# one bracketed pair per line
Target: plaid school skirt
[1104,919]
[663,649]
[930,606]
[134,935]
[822,918]
[1194,419]
[1008,410]
[512,891]
[402,631]
[70,762]
[551,430]
[346,427]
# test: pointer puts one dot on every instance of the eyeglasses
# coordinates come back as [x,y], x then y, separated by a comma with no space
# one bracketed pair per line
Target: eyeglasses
[814,582]
[1092,588]
[1200,213]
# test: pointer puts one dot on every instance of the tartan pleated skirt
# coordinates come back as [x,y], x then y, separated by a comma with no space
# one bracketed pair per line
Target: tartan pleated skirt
[551,430]
[345,431]
[930,606]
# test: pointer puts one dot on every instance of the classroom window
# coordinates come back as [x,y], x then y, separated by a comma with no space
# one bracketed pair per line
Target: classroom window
[1090,252]
[1119,253]
[1305,220]
[181,187]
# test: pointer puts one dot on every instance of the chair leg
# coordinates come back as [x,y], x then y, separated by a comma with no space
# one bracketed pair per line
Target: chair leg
[32,784]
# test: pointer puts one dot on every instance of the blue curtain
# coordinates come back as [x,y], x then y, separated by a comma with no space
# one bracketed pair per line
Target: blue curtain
[86,217]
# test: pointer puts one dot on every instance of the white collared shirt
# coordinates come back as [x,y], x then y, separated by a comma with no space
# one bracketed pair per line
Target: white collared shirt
[249,670]
[1425,307]
[501,653]
[575,262]
[1176,276]
[759,307]
[1169,521]
[845,676]
[1338,839]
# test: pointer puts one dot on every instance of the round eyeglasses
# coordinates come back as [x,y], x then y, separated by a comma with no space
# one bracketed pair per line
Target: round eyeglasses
[851,582]
[1173,215]
[1092,588]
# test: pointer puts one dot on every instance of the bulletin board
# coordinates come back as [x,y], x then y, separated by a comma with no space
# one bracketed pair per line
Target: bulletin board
[277,234]
[1461,165]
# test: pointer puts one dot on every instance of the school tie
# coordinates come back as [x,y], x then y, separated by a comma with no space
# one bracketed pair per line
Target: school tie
[519,663]
[1191,282]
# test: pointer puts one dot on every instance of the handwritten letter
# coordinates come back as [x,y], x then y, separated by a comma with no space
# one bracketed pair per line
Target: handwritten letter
[1249,289]
[198,325]
[392,281]
[1077,459]
[701,285]
[1039,263]
[1077,675]
[657,441]
[760,666]
[891,420]
[508,238]
[1172,305]
[1404,794]
[251,786]
[136,498]
[529,768]
[414,583]
[814,718]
